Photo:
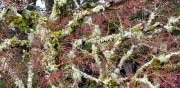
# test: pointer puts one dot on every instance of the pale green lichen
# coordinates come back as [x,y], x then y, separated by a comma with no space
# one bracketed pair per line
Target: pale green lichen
[8,43]
[78,19]
[151,17]
[72,25]
[95,51]
[126,56]
[56,9]
[76,3]
[3,64]
[30,74]
[78,43]
[100,7]
[88,20]
[6,67]
[49,63]
[154,26]
[145,78]
[146,81]
[96,32]
[86,75]
[71,54]
[170,25]
[137,31]
[165,58]
[77,75]
[31,37]
[3,13]
[108,54]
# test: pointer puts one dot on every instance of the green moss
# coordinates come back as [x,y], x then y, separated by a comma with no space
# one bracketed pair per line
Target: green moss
[7,82]
[156,64]
[87,46]
[2,83]
[152,28]
[76,24]
[18,21]
[24,22]
[90,84]
[176,8]
[31,16]
[34,15]
[148,2]
[80,20]
[57,33]
[35,79]
[64,11]
[54,40]
[140,15]
[73,26]
[137,29]
[112,83]
[88,5]
[164,12]
[13,40]
[54,44]
[176,32]
[112,28]
[114,59]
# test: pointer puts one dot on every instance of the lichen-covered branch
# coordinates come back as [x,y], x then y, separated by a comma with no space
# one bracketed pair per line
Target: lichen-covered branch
[56,9]
[6,67]
[8,43]
[30,74]
[105,43]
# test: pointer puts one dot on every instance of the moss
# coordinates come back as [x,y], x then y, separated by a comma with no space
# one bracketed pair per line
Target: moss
[57,33]
[24,22]
[156,64]
[112,28]
[176,8]
[75,24]
[152,28]
[90,84]
[87,46]
[35,79]
[164,12]
[148,2]
[80,20]
[54,40]
[176,32]
[2,83]
[18,21]
[88,5]
[136,29]
[13,40]
[34,15]
[140,15]
[64,11]
[54,44]
[112,83]
[25,58]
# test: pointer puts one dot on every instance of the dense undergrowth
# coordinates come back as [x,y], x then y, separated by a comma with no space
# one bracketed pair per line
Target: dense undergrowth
[130,44]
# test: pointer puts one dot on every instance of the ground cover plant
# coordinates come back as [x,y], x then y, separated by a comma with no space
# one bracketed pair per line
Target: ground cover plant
[92,44]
